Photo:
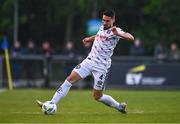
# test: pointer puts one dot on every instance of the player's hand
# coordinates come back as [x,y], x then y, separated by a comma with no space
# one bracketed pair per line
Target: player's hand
[86,42]
[114,30]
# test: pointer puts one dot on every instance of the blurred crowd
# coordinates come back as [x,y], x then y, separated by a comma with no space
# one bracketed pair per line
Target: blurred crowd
[46,48]
[161,53]
[31,49]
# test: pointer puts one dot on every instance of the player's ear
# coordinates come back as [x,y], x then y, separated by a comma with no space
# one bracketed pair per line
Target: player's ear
[113,19]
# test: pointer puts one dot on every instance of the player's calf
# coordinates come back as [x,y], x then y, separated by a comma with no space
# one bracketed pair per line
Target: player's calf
[97,94]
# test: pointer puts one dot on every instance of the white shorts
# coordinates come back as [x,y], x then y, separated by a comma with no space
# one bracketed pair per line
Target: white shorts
[85,69]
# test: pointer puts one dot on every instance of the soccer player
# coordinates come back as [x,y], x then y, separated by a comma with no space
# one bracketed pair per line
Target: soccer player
[97,62]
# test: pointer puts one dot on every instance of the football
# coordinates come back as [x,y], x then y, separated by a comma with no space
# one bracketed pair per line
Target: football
[49,108]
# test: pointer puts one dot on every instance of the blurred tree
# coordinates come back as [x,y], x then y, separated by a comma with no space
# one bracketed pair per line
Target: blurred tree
[6,16]
[160,19]
[64,20]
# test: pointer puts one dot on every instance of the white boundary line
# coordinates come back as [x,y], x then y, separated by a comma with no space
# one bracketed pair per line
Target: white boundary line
[73,113]
[83,113]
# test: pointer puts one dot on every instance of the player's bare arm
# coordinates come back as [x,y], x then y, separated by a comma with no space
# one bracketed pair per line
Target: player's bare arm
[88,40]
[125,35]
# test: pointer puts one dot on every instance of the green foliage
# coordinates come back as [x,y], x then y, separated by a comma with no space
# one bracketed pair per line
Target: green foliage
[161,19]
[151,7]
[6,9]
[151,20]
[7,5]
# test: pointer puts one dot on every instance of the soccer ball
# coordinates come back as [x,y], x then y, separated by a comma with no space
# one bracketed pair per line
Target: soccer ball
[49,108]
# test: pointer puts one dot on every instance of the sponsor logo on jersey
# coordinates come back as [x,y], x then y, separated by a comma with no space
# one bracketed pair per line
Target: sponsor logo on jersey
[101,37]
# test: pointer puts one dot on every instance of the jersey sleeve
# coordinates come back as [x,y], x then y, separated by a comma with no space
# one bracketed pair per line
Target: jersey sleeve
[120,31]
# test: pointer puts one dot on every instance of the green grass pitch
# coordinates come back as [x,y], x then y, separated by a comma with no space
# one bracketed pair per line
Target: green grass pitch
[79,107]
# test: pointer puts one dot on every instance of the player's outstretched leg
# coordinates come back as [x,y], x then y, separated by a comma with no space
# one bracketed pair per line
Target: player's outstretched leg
[61,92]
[65,87]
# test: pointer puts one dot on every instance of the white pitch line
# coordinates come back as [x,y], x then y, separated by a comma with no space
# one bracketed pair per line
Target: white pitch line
[84,113]
[71,113]
[28,113]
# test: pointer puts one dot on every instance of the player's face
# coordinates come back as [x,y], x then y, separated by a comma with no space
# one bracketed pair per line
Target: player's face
[107,22]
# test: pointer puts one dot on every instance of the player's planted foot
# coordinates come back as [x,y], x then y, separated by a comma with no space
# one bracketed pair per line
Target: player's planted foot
[122,108]
[39,103]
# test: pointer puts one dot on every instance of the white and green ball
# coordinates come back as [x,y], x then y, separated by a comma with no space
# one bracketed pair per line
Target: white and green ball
[49,108]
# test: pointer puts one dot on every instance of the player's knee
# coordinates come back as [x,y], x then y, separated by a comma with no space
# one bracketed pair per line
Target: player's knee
[97,96]
[73,77]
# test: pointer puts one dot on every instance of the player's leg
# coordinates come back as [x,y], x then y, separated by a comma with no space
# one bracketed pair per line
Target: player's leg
[98,95]
[65,87]
[79,72]
[108,100]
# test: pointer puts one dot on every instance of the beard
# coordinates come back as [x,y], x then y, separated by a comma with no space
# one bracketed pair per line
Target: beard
[106,27]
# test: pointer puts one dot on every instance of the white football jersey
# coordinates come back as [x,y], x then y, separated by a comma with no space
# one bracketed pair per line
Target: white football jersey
[102,48]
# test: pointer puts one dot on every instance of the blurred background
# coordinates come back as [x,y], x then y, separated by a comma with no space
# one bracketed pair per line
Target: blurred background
[44,41]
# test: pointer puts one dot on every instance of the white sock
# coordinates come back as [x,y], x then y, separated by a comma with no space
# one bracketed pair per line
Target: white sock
[61,92]
[109,101]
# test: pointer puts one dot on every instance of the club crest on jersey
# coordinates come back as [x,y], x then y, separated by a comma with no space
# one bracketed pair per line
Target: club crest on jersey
[108,31]
[78,66]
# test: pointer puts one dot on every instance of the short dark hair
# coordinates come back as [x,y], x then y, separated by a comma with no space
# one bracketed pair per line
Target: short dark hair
[109,13]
